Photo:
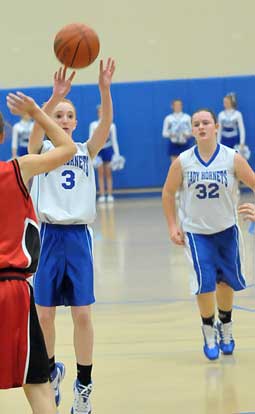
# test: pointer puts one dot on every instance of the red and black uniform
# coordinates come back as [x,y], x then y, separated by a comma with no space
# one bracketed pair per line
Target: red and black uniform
[23,356]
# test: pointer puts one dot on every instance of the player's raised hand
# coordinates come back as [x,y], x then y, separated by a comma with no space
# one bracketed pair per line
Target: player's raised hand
[177,236]
[248,211]
[20,104]
[62,84]
[106,73]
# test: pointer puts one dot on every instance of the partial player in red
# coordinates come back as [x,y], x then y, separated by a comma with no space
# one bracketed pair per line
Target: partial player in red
[23,356]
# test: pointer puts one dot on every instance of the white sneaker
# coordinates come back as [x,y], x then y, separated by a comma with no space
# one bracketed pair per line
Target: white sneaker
[110,199]
[101,199]
[211,346]
[56,378]
[227,343]
[81,404]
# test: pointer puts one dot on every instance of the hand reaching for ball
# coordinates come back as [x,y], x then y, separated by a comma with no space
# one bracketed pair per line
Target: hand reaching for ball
[62,85]
[106,73]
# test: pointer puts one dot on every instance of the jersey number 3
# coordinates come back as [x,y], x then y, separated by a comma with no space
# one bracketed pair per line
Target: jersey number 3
[69,179]
[210,191]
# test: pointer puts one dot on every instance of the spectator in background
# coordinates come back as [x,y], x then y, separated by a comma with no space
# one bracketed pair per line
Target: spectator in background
[177,128]
[104,159]
[231,131]
[20,136]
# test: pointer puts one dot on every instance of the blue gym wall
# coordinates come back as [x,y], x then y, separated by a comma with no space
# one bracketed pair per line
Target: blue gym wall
[139,110]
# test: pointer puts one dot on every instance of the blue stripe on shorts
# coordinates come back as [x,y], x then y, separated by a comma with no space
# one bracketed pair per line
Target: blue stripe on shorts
[216,258]
[65,271]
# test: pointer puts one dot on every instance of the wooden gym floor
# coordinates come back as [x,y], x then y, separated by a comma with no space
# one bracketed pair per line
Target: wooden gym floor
[148,345]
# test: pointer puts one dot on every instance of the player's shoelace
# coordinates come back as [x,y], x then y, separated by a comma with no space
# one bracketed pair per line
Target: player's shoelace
[210,335]
[226,332]
[81,401]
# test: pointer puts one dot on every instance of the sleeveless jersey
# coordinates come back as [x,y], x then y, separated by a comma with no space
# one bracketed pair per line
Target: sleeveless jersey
[19,235]
[208,195]
[66,195]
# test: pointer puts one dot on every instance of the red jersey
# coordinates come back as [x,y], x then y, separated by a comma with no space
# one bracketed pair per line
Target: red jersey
[19,235]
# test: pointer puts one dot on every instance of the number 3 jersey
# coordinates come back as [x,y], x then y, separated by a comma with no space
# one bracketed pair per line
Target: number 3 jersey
[208,196]
[66,195]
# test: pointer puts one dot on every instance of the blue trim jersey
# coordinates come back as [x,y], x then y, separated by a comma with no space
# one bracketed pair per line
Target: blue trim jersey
[66,195]
[208,196]
[177,128]
[20,134]
[231,126]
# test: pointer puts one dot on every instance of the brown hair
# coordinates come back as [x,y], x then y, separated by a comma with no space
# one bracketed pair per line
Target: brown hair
[176,100]
[205,110]
[232,97]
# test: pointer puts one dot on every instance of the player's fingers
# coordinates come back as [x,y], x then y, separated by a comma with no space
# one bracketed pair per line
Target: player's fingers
[59,73]
[72,76]
[246,205]
[113,66]
[21,95]
[12,108]
[250,217]
[13,98]
[101,66]
[108,64]
[246,209]
[64,72]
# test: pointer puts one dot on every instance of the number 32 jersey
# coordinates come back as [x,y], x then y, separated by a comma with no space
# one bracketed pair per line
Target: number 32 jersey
[208,196]
[66,195]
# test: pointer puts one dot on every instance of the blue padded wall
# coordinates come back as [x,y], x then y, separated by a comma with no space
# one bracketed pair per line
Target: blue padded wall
[139,110]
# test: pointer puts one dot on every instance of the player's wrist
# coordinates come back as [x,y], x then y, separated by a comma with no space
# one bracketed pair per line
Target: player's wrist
[34,111]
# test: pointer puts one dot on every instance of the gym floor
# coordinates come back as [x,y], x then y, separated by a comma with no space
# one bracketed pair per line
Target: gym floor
[148,354]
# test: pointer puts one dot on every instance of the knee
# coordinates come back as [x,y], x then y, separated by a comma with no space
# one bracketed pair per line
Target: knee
[46,317]
[223,285]
[82,318]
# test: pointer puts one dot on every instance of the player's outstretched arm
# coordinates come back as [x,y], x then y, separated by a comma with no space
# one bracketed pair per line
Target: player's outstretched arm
[100,135]
[171,186]
[30,165]
[61,87]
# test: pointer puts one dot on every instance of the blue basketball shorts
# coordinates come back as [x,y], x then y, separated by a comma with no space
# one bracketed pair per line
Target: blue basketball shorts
[215,258]
[106,154]
[175,149]
[65,271]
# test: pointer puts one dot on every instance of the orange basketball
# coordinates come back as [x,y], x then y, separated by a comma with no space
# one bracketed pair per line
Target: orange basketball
[76,45]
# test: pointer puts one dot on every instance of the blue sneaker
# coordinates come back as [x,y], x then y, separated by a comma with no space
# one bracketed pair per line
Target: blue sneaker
[55,379]
[81,404]
[227,343]
[211,346]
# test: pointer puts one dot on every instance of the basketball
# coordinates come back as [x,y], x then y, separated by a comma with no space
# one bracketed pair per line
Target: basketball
[76,45]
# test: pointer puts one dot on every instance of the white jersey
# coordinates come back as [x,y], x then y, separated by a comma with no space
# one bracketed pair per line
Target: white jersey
[111,141]
[208,196]
[177,127]
[231,125]
[66,195]
[20,133]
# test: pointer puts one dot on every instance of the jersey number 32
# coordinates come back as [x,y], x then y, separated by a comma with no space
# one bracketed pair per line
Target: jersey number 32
[207,191]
